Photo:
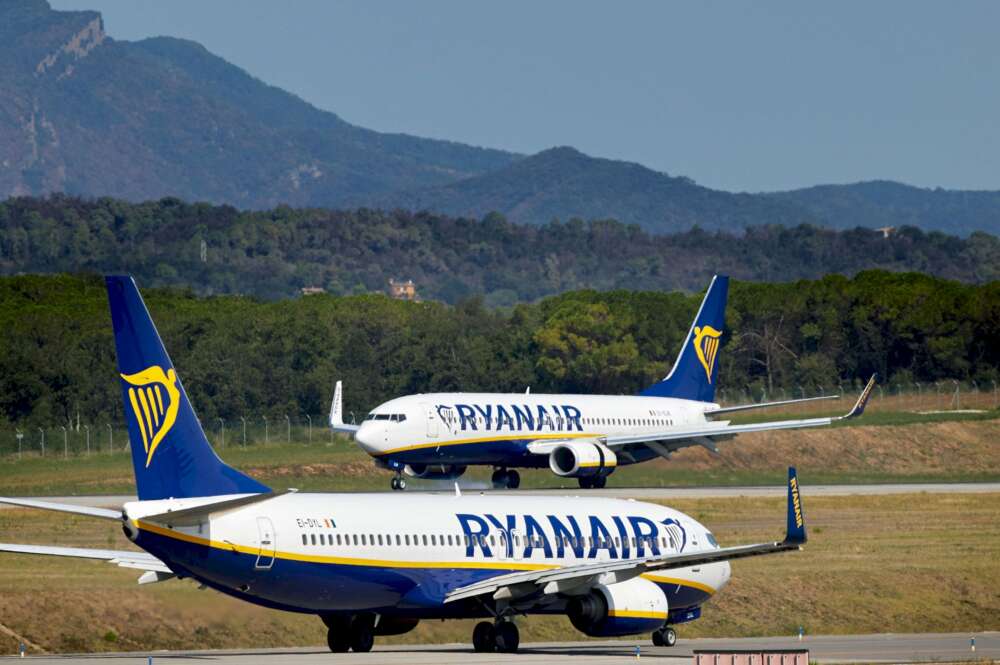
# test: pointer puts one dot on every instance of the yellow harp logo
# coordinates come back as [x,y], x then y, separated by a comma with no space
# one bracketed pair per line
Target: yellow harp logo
[155,399]
[706,346]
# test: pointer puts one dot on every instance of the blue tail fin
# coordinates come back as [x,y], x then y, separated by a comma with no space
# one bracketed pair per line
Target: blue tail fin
[695,370]
[170,454]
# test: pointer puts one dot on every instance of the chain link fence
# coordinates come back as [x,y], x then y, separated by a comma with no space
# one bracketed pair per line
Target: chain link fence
[112,438]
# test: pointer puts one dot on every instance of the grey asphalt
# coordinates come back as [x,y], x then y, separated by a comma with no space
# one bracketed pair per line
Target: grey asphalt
[890,648]
[116,501]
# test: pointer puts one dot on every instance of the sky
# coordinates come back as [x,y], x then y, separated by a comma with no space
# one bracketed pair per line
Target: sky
[739,96]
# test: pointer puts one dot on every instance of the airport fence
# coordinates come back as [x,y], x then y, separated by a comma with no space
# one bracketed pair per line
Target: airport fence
[915,397]
[80,438]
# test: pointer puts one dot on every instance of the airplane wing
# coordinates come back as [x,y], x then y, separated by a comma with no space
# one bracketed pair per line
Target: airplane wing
[337,423]
[560,580]
[156,570]
[705,435]
[764,405]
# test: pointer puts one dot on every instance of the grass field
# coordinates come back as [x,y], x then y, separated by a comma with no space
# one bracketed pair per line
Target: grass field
[927,451]
[903,563]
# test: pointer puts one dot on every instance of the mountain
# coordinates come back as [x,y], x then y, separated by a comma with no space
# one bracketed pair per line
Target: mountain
[885,203]
[563,183]
[85,114]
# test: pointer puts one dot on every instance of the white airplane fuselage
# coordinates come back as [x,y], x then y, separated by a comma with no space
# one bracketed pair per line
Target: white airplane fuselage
[398,555]
[497,428]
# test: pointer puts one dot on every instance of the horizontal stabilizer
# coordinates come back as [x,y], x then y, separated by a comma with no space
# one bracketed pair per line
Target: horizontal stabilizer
[123,558]
[90,511]
[197,514]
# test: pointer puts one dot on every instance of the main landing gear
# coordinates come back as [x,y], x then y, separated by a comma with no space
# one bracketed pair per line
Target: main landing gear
[398,483]
[502,636]
[665,637]
[510,479]
[350,633]
[593,482]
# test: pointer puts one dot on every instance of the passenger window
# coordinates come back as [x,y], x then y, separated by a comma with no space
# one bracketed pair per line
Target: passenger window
[354,538]
[322,539]
[313,538]
[398,540]
[407,536]
[433,539]
[380,539]
[338,538]
[425,540]
[305,541]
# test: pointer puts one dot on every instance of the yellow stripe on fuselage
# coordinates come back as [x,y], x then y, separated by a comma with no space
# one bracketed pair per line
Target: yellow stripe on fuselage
[511,436]
[637,614]
[382,563]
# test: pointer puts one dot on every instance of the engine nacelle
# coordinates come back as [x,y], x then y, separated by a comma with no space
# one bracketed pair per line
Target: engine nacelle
[582,459]
[434,471]
[626,608]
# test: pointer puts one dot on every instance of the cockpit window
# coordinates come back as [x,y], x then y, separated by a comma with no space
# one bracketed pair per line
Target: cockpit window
[711,539]
[394,417]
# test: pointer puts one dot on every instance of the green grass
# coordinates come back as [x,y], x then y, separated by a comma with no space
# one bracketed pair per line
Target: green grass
[882,447]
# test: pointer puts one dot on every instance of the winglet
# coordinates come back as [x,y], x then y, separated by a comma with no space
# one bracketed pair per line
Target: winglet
[795,531]
[337,411]
[859,406]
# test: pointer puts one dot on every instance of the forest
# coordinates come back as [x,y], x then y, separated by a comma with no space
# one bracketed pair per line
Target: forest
[273,254]
[240,355]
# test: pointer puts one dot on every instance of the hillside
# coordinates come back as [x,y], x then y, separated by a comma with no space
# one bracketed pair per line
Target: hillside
[563,183]
[274,253]
[885,203]
[83,113]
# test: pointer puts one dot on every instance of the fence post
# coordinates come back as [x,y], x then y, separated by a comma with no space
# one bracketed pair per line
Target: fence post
[265,429]
[65,442]
[288,429]
[111,439]
[86,428]
[19,435]
[43,440]
[310,421]
[222,426]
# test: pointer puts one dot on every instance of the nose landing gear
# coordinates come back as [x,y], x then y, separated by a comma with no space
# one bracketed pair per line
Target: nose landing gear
[504,478]
[665,637]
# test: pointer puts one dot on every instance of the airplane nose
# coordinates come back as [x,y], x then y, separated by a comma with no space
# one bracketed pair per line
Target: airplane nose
[366,438]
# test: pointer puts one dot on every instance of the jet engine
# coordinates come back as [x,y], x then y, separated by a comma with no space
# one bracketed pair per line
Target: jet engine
[434,471]
[582,459]
[626,608]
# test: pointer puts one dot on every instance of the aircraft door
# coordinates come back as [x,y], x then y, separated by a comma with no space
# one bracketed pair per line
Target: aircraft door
[265,543]
[517,544]
[432,420]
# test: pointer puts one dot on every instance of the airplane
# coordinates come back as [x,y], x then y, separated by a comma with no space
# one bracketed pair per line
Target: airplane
[376,564]
[438,436]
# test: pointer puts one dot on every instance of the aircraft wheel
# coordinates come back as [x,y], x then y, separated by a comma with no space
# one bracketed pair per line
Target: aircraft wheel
[585,483]
[394,483]
[362,637]
[339,641]
[402,484]
[499,479]
[507,637]
[513,480]
[599,482]
[657,638]
[483,637]
[669,636]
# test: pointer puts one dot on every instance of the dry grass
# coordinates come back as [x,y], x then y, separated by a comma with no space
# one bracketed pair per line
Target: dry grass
[873,564]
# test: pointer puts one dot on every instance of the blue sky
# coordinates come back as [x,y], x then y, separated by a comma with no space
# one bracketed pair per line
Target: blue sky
[739,96]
